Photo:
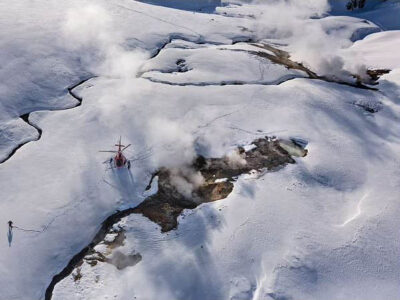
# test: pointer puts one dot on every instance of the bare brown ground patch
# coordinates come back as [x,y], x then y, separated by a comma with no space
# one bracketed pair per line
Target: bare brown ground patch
[219,175]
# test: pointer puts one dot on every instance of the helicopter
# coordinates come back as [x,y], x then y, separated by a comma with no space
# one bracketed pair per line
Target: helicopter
[119,159]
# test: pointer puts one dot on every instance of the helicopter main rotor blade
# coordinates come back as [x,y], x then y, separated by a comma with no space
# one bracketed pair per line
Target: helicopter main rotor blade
[126,147]
[109,151]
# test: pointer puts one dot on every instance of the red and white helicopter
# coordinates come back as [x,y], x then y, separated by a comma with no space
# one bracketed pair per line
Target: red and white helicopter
[119,160]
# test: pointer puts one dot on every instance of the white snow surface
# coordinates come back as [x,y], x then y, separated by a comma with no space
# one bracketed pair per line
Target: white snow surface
[323,228]
[185,66]
[378,50]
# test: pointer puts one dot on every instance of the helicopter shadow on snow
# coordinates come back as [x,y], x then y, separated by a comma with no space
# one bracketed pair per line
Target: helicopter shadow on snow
[10,236]
[125,178]
[121,180]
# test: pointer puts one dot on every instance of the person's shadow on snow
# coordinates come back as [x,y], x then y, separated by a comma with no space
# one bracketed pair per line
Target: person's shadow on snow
[10,236]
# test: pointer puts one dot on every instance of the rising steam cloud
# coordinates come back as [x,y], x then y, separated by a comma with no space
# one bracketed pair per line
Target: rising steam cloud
[91,31]
[297,23]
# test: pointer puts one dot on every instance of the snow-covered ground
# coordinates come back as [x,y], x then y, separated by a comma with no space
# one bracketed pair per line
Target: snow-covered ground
[190,64]
[176,83]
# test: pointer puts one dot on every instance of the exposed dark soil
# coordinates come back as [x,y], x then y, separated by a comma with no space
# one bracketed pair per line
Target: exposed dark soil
[116,258]
[375,74]
[118,241]
[166,205]
[283,58]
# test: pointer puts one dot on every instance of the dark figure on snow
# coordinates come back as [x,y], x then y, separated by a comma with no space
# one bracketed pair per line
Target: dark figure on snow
[10,233]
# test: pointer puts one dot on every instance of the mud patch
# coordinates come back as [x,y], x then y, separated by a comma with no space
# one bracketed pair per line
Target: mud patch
[182,67]
[100,253]
[281,57]
[375,74]
[77,275]
[219,174]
